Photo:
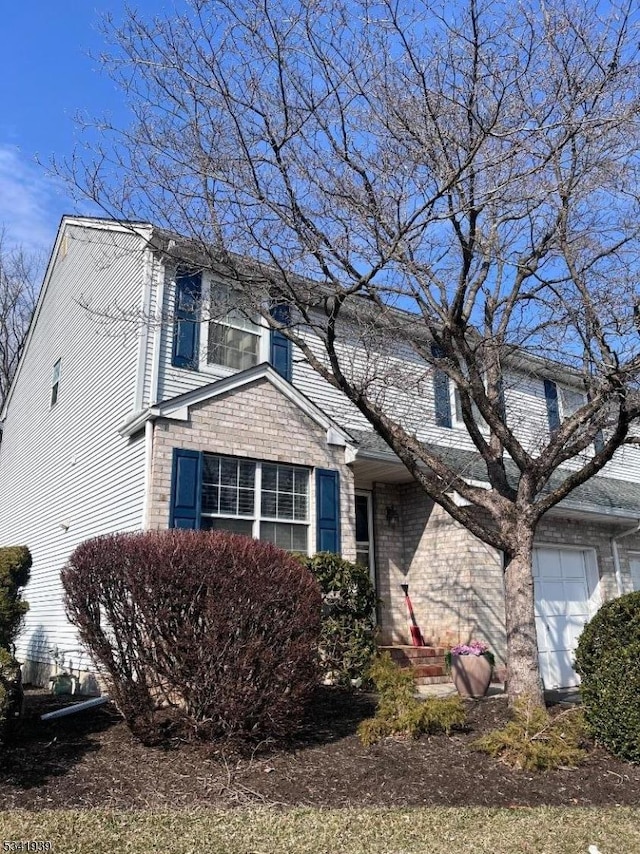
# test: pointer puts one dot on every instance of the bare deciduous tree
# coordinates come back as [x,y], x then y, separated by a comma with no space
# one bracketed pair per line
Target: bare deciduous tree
[20,276]
[473,163]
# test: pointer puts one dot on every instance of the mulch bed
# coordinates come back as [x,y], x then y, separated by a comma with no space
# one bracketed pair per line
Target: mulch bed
[91,760]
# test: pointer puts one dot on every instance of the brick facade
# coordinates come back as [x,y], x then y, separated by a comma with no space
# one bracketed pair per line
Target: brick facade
[254,421]
[455,580]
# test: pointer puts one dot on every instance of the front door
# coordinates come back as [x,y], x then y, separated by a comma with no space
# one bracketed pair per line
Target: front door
[364,532]
[562,607]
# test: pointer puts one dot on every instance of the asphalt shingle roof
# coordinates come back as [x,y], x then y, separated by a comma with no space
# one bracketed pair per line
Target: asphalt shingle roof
[599,494]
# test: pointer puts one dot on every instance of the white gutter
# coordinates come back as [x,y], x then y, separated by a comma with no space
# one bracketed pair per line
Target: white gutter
[148,468]
[616,555]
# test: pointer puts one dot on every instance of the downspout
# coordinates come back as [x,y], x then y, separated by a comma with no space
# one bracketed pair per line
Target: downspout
[154,391]
[616,555]
[138,401]
[148,471]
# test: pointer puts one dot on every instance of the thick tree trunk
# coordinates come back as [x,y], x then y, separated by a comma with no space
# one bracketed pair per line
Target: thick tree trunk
[523,669]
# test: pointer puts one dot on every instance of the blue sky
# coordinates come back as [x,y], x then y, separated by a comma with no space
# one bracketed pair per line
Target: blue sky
[46,77]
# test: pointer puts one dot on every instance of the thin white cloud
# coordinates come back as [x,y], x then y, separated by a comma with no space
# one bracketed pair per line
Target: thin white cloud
[30,201]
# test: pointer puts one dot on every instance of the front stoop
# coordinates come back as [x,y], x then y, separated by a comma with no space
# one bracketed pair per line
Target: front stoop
[426,662]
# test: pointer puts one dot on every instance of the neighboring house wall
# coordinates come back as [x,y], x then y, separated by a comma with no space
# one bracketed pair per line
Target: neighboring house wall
[455,580]
[65,472]
[257,422]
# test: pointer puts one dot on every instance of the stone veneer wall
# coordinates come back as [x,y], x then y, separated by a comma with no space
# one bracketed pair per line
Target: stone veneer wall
[455,580]
[255,421]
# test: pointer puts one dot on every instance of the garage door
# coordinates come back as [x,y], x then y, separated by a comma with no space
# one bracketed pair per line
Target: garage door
[563,605]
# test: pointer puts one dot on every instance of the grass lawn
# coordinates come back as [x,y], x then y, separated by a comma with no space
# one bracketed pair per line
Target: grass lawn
[543,830]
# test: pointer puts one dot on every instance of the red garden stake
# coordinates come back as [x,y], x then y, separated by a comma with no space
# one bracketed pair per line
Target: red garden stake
[416,634]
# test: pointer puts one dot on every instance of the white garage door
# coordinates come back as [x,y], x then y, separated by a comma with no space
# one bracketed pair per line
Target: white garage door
[634,566]
[564,585]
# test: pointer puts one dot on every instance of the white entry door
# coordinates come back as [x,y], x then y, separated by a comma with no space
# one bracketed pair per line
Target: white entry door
[563,596]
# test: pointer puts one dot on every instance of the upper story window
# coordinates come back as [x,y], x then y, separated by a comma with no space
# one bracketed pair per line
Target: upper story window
[561,402]
[55,383]
[233,341]
[210,332]
[457,411]
[570,401]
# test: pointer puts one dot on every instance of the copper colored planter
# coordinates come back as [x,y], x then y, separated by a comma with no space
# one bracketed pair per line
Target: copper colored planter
[471,675]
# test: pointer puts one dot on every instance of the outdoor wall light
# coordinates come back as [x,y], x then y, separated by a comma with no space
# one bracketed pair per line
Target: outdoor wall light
[392,515]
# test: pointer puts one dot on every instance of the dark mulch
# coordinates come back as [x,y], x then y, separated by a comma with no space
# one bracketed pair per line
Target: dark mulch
[91,760]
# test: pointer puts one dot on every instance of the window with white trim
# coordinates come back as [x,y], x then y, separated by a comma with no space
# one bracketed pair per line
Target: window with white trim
[458,420]
[268,501]
[233,339]
[55,383]
[570,401]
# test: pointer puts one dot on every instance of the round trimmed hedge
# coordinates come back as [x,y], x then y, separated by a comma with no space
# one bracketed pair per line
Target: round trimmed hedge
[220,628]
[608,661]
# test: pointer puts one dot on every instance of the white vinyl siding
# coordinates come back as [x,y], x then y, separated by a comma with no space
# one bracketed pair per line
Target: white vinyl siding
[65,472]
[404,386]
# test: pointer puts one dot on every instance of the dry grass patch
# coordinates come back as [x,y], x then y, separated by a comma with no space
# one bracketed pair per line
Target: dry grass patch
[374,831]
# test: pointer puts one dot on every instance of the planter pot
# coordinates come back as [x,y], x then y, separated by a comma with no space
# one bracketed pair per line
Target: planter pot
[471,674]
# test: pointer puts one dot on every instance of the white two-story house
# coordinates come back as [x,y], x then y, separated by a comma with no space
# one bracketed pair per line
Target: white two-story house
[129,412]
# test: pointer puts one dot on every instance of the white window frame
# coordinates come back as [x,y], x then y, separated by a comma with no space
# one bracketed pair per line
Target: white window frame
[562,408]
[55,384]
[215,368]
[633,577]
[257,518]
[459,422]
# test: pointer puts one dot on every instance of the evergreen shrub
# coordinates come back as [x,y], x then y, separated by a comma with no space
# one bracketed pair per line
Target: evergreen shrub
[399,711]
[347,644]
[15,567]
[535,741]
[608,661]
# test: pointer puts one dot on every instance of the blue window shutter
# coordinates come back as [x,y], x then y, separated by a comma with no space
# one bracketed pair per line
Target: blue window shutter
[598,441]
[502,406]
[328,510]
[186,327]
[280,355]
[553,412]
[441,392]
[185,489]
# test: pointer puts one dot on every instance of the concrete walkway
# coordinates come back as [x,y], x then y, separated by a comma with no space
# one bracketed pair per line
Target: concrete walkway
[446,689]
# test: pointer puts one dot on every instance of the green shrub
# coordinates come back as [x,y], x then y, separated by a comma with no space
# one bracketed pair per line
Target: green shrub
[535,741]
[15,565]
[11,694]
[347,642]
[400,713]
[608,660]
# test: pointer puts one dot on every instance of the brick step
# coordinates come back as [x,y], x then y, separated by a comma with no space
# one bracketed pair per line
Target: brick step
[425,662]
[421,670]
[406,655]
